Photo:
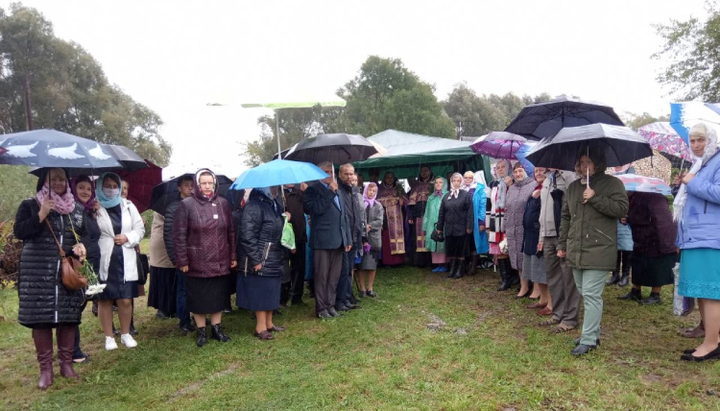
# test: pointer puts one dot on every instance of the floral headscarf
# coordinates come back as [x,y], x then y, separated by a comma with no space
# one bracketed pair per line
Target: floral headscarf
[65,203]
[369,202]
[73,185]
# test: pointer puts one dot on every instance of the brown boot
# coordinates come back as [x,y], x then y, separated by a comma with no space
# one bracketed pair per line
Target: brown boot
[66,345]
[44,349]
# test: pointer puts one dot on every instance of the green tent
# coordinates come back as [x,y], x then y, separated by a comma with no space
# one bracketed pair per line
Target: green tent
[407,151]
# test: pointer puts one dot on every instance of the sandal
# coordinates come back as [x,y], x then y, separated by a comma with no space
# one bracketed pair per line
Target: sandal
[548,322]
[562,328]
[545,311]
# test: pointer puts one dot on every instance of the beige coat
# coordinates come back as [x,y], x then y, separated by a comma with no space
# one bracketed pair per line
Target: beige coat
[158,254]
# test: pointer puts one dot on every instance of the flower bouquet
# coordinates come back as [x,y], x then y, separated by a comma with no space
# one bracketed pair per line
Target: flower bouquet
[87,271]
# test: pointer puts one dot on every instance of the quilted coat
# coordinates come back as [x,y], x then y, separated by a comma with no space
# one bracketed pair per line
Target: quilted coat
[259,237]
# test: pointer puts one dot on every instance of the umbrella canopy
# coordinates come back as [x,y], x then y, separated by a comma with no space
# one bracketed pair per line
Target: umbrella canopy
[142,182]
[166,192]
[634,182]
[663,138]
[278,172]
[683,116]
[521,155]
[538,121]
[621,146]
[129,160]
[338,148]
[498,144]
[52,148]
[3,150]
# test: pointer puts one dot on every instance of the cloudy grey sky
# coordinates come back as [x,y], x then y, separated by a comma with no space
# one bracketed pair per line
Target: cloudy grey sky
[176,56]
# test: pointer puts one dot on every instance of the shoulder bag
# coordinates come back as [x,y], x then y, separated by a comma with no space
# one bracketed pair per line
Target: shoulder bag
[71,277]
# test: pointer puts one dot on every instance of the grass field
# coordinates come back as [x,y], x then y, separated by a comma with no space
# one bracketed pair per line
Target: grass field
[426,343]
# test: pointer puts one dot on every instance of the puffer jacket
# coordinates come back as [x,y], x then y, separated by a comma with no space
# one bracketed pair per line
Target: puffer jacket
[204,235]
[170,210]
[588,232]
[624,237]
[43,298]
[259,237]
[700,224]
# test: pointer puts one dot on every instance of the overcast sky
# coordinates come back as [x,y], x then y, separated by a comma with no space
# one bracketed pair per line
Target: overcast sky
[176,56]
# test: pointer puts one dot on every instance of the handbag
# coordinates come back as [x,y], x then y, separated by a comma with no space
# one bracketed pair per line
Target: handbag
[437,236]
[71,277]
[143,267]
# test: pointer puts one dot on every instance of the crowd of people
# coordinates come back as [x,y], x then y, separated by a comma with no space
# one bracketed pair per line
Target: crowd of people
[554,236]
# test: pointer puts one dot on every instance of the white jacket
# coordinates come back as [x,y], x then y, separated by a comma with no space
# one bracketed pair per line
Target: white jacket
[133,228]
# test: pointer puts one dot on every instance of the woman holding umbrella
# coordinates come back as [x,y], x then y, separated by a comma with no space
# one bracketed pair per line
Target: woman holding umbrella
[588,232]
[391,196]
[496,222]
[44,302]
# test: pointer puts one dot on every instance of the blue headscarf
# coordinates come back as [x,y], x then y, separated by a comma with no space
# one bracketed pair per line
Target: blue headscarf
[102,198]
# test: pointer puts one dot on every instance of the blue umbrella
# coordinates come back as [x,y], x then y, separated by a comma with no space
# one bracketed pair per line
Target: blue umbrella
[683,116]
[278,172]
[52,148]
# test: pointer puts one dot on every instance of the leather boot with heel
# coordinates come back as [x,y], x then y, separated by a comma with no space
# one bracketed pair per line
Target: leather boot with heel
[504,275]
[459,270]
[66,345]
[44,349]
[453,267]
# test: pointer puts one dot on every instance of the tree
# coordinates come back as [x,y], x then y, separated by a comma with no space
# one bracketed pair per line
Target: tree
[635,121]
[47,82]
[386,95]
[692,52]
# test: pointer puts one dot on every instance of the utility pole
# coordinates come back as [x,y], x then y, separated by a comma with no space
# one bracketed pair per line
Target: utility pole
[28,105]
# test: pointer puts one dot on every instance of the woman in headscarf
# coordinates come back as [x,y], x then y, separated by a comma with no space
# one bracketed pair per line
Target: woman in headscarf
[432,212]
[83,191]
[121,229]
[204,244]
[696,209]
[261,258]
[45,303]
[391,196]
[456,221]
[517,197]
[420,189]
[477,242]
[374,215]
[469,184]
[533,263]
[496,223]
[141,287]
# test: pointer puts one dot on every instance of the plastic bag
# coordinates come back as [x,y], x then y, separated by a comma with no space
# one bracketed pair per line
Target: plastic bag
[288,235]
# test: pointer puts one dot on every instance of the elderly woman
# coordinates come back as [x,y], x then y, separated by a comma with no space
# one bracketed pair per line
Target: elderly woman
[261,259]
[533,263]
[44,223]
[517,197]
[696,209]
[456,221]
[374,215]
[587,237]
[121,229]
[420,189]
[496,222]
[479,243]
[204,245]
[432,212]
[391,196]
[654,254]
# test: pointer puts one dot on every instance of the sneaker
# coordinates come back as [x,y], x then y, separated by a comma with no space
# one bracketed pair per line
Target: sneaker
[110,344]
[128,340]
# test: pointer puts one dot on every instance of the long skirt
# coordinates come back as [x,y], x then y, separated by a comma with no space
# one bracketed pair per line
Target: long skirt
[653,271]
[387,257]
[162,290]
[439,258]
[257,292]
[455,246]
[700,273]
[207,295]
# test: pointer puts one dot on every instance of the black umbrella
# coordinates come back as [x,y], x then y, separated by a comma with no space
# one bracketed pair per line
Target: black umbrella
[52,148]
[129,160]
[543,120]
[339,148]
[620,144]
[166,192]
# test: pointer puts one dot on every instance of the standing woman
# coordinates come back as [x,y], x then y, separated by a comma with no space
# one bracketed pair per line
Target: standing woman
[141,287]
[533,263]
[392,197]
[121,229]
[456,221]
[587,237]
[261,259]
[421,187]
[478,242]
[44,302]
[432,212]
[517,197]
[204,245]
[496,222]
[374,216]
[697,210]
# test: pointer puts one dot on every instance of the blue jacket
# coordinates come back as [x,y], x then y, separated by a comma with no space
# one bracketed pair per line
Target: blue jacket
[479,202]
[624,237]
[700,224]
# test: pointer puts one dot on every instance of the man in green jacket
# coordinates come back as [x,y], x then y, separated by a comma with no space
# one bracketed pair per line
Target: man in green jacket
[588,234]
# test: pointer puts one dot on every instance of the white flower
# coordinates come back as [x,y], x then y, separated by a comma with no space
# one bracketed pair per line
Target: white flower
[95,289]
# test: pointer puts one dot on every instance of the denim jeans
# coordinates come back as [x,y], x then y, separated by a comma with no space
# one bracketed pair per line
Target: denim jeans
[181,299]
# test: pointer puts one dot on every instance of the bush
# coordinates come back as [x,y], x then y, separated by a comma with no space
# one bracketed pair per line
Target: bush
[10,249]
[16,185]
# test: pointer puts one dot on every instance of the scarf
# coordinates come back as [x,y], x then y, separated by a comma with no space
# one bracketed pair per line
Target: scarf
[502,187]
[105,201]
[468,187]
[369,202]
[710,149]
[198,192]
[455,192]
[89,204]
[64,204]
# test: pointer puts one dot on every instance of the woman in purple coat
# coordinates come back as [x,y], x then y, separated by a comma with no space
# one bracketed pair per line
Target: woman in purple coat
[517,197]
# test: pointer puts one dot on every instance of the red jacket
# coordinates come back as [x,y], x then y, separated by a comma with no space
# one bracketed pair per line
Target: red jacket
[204,236]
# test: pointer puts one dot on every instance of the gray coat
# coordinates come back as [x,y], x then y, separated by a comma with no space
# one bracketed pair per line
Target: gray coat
[515,201]
[547,203]
[374,216]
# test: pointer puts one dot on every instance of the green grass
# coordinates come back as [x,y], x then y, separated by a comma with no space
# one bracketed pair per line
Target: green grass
[489,355]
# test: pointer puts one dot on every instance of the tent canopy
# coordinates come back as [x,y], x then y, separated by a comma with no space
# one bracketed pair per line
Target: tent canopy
[406,152]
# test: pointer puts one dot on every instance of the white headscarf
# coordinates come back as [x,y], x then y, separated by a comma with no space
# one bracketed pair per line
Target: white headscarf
[455,192]
[710,148]
[480,180]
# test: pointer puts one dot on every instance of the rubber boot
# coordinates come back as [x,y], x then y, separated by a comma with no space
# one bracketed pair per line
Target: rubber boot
[44,349]
[504,275]
[201,336]
[460,270]
[66,346]
[453,267]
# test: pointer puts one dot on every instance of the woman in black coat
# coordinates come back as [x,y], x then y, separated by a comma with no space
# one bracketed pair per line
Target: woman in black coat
[44,302]
[456,221]
[260,260]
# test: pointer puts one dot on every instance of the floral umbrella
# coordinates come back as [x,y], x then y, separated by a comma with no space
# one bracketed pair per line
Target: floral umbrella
[634,182]
[663,138]
[498,144]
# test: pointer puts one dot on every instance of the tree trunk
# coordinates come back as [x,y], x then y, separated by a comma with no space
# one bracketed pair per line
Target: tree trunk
[28,105]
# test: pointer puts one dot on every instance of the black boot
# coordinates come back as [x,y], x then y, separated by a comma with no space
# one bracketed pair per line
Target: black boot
[216,333]
[633,295]
[653,299]
[453,267]
[472,267]
[615,278]
[460,270]
[201,336]
[625,277]
[504,275]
